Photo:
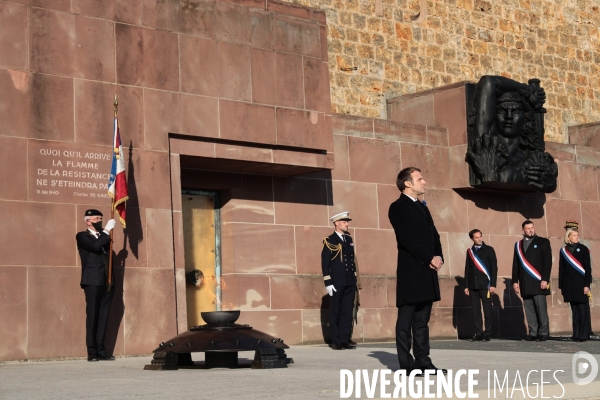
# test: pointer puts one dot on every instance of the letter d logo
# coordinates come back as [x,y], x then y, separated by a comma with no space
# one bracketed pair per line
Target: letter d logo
[580,367]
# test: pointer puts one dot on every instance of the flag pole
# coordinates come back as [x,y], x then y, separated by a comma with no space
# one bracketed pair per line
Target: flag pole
[109,285]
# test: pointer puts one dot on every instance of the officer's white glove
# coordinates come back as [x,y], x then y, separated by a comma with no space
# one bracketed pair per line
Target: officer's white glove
[330,289]
[109,225]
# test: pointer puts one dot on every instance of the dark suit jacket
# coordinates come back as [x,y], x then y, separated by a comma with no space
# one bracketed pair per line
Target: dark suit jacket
[474,278]
[94,257]
[418,242]
[338,269]
[572,282]
[539,255]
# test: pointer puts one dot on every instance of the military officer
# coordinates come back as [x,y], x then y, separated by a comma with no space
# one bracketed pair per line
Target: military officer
[339,275]
[93,245]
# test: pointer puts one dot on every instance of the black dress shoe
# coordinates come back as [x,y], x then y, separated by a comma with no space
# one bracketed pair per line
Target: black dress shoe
[486,338]
[542,338]
[106,358]
[348,346]
[476,339]
[433,368]
[92,358]
[337,347]
[410,370]
[530,338]
[352,342]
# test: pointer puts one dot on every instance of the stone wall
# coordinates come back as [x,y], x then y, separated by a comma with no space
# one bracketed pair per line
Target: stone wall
[223,74]
[238,86]
[273,228]
[393,52]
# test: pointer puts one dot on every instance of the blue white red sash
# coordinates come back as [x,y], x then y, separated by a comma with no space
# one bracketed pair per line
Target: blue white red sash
[572,261]
[479,264]
[525,264]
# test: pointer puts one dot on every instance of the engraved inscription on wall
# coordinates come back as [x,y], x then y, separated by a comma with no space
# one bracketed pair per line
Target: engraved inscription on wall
[68,172]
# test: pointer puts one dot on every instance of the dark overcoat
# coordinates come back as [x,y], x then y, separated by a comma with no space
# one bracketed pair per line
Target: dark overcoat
[94,257]
[338,265]
[539,255]
[571,282]
[418,242]
[474,278]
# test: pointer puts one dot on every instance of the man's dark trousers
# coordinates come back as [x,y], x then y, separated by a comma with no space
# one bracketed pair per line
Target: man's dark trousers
[97,307]
[340,314]
[479,297]
[412,327]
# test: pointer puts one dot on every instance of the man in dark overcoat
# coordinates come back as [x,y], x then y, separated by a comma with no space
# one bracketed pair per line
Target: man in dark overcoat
[339,276]
[419,259]
[481,271]
[532,263]
[93,245]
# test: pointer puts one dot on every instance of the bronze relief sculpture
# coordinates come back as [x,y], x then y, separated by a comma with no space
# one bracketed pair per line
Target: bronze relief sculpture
[506,136]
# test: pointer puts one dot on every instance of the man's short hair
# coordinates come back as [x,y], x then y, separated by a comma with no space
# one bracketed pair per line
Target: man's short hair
[473,232]
[405,175]
[526,222]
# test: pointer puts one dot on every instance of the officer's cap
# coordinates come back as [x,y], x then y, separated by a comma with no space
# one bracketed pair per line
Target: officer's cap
[93,213]
[572,224]
[343,216]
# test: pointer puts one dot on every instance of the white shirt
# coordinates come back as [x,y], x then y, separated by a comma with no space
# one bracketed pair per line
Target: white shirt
[410,197]
[95,233]
[341,236]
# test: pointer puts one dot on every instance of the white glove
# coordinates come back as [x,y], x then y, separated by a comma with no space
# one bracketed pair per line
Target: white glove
[109,225]
[330,289]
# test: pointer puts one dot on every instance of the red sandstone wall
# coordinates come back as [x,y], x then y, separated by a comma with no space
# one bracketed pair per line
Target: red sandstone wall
[273,229]
[246,71]
[61,63]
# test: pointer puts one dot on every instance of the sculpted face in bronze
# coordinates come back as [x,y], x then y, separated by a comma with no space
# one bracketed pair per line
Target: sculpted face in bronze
[506,136]
[510,119]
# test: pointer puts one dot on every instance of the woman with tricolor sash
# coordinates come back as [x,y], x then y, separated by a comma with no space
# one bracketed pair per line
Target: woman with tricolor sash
[574,280]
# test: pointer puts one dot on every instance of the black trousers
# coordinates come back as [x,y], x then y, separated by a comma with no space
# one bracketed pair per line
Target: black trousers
[580,313]
[479,298]
[412,327]
[340,314]
[97,306]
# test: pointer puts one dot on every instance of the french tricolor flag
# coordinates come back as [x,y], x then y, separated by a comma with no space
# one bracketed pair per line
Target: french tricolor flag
[117,182]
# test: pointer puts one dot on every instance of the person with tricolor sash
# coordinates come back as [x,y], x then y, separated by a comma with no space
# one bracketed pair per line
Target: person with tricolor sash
[481,271]
[574,280]
[532,264]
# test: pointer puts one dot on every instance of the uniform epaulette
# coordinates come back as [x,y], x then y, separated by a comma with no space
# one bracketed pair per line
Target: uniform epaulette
[337,248]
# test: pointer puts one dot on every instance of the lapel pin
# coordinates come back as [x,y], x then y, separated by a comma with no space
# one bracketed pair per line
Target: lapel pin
[535,246]
[578,249]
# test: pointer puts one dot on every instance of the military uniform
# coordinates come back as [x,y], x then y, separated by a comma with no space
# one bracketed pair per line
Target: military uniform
[93,249]
[339,270]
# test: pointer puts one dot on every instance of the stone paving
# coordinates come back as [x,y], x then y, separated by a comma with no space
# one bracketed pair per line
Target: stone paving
[315,373]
